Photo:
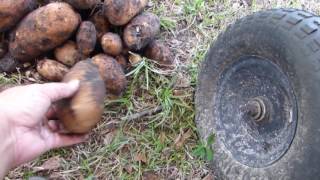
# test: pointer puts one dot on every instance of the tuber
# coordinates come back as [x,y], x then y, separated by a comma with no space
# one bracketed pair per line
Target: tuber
[83,111]
[42,30]
[141,31]
[51,69]
[86,38]
[111,44]
[68,53]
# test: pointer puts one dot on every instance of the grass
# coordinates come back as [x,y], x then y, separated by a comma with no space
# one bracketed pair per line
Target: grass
[164,144]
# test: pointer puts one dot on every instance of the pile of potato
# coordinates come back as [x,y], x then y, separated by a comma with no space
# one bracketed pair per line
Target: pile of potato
[66,39]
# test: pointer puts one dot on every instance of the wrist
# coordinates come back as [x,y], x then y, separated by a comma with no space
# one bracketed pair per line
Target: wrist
[6,146]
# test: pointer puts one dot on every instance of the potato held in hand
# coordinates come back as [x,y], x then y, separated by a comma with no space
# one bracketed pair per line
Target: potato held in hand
[120,12]
[112,74]
[83,111]
[51,70]
[141,31]
[14,10]
[42,30]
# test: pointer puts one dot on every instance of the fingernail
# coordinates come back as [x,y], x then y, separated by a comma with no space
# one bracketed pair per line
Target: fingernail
[86,137]
[74,84]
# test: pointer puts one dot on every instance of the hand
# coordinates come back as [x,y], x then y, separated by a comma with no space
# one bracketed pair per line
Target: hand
[25,132]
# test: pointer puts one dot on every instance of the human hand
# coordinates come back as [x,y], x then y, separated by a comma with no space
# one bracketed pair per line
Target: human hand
[25,132]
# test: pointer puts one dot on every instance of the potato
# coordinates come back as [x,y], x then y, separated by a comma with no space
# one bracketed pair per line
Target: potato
[3,48]
[111,44]
[84,110]
[122,60]
[159,52]
[12,11]
[51,69]
[42,30]
[68,54]
[112,74]
[83,4]
[120,12]
[8,64]
[101,23]
[141,31]
[86,38]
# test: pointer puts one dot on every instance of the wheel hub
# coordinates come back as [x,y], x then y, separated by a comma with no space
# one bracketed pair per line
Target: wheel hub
[255,111]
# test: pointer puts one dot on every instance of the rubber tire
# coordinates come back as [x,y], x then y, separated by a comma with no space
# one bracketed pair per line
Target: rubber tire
[291,39]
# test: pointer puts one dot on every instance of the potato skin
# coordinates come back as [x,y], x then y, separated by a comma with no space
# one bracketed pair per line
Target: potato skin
[159,52]
[42,30]
[112,74]
[101,23]
[83,111]
[111,44]
[86,38]
[123,61]
[8,64]
[83,4]
[68,54]
[141,31]
[120,12]
[51,70]
[12,11]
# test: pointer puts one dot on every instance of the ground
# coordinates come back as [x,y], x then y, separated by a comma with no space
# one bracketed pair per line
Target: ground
[164,144]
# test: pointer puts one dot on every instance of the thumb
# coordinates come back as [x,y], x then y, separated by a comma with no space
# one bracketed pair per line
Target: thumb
[57,91]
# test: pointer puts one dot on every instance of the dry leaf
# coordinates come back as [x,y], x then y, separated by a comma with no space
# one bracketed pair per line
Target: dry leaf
[134,58]
[150,175]
[128,168]
[51,164]
[162,137]
[108,138]
[141,157]
[181,139]
[209,177]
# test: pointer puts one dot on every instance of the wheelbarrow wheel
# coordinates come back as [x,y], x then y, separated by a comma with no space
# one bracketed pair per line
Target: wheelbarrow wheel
[259,94]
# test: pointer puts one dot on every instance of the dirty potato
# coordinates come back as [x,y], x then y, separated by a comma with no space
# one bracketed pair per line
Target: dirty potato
[120,12]
[122,60]
[160,53]
[112,74]
[51,69]
[42,30]
[111,44]
[83,4]
[101,23]
[141,31]
[86,38]
[68,53]
[8,64]
[12,11]
[83,111]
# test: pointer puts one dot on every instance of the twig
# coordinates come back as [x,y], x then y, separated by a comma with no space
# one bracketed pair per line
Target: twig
[141,114]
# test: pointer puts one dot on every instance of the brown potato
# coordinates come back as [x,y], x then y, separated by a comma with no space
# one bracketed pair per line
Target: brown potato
[84,110]
[83,4]
[112,74]
[68,53]
[111,44]
[3,48]
[101,23]
[42,30]
[122,60]
[51,69]
[12,11]
[86,38]
[159,52]
[141,31]
[8,64]
[120,12]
